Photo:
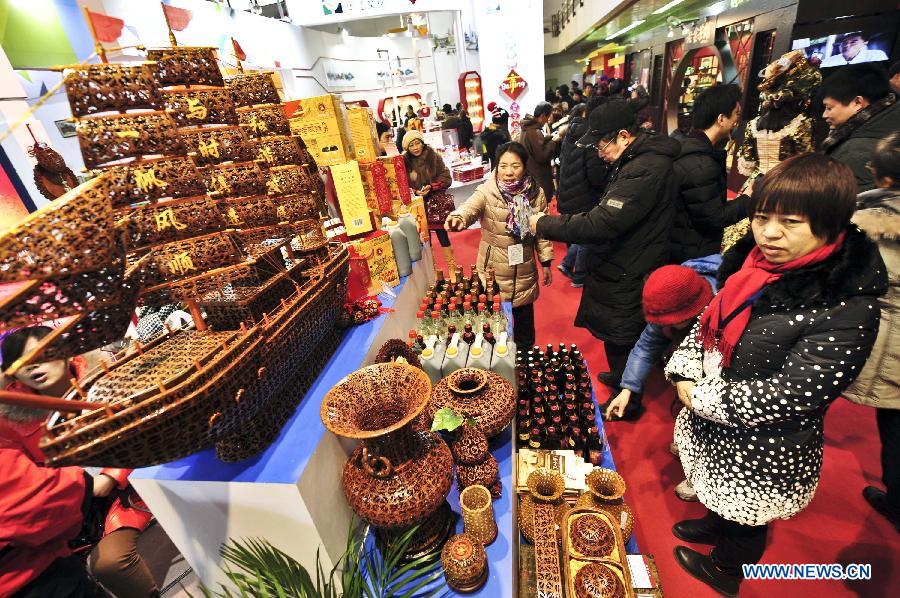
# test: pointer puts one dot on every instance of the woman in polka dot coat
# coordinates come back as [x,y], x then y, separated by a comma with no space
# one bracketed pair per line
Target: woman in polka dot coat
[751,436]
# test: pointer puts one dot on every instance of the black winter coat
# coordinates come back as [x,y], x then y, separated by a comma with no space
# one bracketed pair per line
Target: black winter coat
[582,172]
[702,210]
[751,444]
[856,150]
[627,235]
[493,137]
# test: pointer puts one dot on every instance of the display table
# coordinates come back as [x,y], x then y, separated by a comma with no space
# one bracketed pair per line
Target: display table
[290,494]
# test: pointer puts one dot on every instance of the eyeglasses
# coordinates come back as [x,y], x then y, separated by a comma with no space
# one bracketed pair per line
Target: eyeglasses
[603,149]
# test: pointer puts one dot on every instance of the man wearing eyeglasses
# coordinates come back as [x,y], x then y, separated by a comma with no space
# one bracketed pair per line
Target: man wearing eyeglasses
[626,232]
[854,49]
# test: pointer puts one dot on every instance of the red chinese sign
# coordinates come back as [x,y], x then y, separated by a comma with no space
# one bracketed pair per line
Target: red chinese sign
[513,85]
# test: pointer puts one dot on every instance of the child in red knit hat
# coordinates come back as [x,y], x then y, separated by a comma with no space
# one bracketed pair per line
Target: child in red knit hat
[672,299]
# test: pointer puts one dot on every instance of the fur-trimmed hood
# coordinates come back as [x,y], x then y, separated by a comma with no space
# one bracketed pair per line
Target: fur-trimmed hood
[855,269]
[878,214]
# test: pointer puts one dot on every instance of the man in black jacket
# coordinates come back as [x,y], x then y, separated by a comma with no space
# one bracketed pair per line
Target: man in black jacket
[580,184]
[627,231]
[860,110]
[702,210]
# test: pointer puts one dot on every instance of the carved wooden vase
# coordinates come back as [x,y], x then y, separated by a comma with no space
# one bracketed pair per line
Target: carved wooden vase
[399,475]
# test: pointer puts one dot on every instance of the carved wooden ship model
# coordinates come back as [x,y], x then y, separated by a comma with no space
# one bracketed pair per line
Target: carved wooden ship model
[200,197]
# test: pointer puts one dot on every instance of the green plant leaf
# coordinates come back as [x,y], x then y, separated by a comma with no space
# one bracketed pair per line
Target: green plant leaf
[446,419]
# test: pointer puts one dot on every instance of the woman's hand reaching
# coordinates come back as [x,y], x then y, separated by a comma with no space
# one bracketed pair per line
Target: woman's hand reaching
[685,388]
[617,405]
[455,223]
[548,275]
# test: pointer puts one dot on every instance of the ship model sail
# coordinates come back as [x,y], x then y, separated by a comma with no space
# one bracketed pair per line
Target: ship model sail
[200,196]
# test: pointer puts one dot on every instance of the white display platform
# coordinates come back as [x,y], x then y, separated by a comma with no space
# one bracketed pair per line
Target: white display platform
[290,493]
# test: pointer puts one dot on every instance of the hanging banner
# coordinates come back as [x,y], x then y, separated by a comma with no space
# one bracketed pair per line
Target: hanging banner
[513,85]
[351,198]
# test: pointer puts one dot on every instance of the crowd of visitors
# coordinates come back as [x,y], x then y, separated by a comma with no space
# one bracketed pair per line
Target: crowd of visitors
[759,338]
[760,333]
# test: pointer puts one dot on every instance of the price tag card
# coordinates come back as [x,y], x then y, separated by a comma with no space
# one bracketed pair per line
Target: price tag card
[351,197]
[516,254]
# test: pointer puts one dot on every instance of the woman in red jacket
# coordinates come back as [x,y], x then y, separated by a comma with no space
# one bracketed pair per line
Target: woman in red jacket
[42,509]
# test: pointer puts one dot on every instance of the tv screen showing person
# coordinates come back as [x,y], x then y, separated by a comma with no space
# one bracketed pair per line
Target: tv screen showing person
[846,48]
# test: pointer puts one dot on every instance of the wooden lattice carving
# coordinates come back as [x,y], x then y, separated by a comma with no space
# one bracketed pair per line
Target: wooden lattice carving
[289,180]
[73,234]
[264,121]
[172,221]
[250,212]
[190,257]
[95,88]
[235,180]
[193,107]
[186,66]
[278,151]
[153,180]
[250,89]
[218,145]
[107,138]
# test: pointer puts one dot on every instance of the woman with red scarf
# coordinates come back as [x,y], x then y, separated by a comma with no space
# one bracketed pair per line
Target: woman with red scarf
[793,323]
[44,510]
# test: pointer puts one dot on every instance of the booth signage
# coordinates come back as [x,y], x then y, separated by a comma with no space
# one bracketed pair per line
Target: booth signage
[700,35]
[513,85]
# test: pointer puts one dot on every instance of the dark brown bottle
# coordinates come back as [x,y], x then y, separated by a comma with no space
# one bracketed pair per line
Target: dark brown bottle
[535,438]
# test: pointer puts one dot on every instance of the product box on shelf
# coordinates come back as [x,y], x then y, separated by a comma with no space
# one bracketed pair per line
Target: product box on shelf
[322,124]
[376,187]
[362,134]
[417,209]
[380,253]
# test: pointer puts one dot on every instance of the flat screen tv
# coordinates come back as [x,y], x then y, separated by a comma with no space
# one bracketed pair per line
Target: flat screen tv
[851,47]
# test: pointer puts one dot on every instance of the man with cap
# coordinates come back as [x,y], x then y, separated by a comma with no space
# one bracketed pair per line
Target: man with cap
[627,232]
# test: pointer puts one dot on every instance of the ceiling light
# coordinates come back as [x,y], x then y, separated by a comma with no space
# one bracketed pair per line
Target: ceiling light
[629,28]
[666,7]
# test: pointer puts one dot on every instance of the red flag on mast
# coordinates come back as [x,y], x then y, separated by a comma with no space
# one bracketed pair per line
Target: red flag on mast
[238,50]
[179,18]
[107,29]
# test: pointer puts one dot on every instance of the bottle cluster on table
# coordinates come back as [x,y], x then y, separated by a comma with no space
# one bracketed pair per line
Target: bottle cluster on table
[556,409]
[461,323]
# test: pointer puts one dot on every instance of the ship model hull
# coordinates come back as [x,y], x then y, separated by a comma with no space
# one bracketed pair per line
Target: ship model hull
[239,397]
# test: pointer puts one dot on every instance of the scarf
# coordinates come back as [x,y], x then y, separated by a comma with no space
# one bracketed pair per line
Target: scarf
[844,131]
[724,321]
[515,195]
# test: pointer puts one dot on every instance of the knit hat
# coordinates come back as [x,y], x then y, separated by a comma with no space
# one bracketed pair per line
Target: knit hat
[410,137]
[673,294]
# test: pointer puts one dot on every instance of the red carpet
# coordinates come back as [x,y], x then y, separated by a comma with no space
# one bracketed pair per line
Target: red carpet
[838,527]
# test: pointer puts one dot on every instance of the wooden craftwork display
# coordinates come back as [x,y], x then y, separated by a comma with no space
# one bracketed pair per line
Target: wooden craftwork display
[96,88]
[194,107]
[250,89]
[152,180]
[265,120]
[240,241]
[594,556]
[106,139]
[184,65]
